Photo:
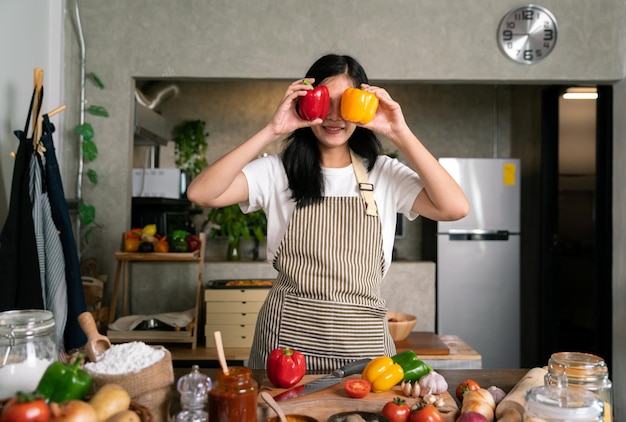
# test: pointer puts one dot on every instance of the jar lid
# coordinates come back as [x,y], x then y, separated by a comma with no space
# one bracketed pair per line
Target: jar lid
[25,323]
[579,367]
[563,404]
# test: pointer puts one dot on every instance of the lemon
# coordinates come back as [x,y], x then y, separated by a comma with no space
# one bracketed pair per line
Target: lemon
[150,229]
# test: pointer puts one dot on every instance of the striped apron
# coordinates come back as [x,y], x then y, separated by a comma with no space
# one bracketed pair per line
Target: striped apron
[325,302]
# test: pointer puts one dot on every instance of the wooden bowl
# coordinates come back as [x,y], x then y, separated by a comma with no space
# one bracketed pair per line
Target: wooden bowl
[400,325]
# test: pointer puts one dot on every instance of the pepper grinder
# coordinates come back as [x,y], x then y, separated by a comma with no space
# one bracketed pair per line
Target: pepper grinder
[194,393]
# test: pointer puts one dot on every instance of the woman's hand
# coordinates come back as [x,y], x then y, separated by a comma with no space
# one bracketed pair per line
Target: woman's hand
[286,119]
[389,119]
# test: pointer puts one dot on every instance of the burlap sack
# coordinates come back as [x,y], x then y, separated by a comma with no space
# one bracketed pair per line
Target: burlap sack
[151,387]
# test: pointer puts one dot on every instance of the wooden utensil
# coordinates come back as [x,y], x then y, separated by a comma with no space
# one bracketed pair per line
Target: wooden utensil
[217,336]
[97,344]
[275,407]
[511,408]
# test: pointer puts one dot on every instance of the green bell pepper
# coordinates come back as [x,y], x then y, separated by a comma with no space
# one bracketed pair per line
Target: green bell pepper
[414,369]
[64,381]
[179,241]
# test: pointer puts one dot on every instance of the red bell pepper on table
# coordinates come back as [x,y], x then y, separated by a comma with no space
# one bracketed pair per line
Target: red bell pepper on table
[315,104]
[285,367]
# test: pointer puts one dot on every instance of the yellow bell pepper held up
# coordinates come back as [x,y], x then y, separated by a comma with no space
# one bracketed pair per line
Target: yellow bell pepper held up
[383,373]
[358,105]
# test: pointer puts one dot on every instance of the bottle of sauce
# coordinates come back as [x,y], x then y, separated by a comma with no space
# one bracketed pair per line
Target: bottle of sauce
[234,397]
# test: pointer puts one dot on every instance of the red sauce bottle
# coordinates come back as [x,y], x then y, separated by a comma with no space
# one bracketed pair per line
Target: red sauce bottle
[234,398]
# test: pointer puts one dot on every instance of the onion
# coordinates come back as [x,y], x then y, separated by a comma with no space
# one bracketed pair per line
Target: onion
[497,393]
[73,411]
[471,417]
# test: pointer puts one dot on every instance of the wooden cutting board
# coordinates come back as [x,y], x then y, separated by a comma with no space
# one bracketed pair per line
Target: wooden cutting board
[423,343]
[325,403]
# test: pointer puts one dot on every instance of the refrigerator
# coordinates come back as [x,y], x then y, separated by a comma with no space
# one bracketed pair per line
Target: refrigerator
[478,261]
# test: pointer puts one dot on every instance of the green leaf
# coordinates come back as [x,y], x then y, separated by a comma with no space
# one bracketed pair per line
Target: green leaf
[96,80]
[85,130]
[92,176]
[87,214]
[96,110]
[90,150]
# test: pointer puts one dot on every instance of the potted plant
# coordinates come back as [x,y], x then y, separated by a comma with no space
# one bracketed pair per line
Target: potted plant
[230,222]
[190,146]
[87,212]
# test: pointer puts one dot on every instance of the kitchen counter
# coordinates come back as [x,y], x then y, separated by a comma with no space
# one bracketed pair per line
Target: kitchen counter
[440,352]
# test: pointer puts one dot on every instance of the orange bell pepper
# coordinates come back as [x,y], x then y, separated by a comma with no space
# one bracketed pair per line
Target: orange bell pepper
[358,105]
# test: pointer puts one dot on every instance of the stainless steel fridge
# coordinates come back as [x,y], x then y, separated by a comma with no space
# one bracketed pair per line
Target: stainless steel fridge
[478,261]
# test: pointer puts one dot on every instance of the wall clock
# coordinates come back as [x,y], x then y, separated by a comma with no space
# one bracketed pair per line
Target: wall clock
[527,34]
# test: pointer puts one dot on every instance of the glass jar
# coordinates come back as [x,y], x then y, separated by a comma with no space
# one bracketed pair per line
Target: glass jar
[27,348]
[234,397]
[556,403]
[194,391]
[583,370]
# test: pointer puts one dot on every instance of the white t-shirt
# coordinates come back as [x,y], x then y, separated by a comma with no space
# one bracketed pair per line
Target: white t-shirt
[395,188]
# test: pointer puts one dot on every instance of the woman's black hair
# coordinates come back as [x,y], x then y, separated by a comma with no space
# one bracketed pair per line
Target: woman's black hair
[301,157]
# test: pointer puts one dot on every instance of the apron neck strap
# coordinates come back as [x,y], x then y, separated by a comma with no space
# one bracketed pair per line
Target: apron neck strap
[366,188]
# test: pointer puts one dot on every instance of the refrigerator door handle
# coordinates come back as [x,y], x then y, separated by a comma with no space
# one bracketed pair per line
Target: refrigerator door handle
[480,235]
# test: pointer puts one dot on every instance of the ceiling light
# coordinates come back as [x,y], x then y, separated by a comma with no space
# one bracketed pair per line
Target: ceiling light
[580,94]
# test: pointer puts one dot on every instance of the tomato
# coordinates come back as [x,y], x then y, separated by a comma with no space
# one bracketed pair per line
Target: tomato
[135,233]
[464,387]
[25,408]
[425,413]
[357,387]
[397,410]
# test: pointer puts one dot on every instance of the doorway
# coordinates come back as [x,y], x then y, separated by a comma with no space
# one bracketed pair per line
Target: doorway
[576,222]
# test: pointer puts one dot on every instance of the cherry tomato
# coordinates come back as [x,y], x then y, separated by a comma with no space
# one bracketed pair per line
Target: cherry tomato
[25,408]
[425,413]
[397,410]
[357,387]
[464,387]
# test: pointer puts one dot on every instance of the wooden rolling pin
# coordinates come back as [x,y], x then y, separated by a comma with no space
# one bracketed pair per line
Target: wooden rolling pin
[511,408]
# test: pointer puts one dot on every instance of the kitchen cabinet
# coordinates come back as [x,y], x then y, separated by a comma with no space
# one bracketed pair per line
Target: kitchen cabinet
[233,312]
[124,260]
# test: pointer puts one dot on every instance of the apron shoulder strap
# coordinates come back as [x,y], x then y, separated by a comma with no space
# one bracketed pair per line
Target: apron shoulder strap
[366,188]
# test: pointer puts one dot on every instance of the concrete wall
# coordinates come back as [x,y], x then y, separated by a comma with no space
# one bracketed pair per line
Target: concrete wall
[412,41]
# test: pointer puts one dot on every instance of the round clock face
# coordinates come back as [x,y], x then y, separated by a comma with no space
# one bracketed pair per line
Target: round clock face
[527,34]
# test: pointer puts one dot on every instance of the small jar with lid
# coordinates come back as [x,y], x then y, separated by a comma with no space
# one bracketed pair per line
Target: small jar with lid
[27,348]
[194,391]
[585,371]
[556,403]
[234,397]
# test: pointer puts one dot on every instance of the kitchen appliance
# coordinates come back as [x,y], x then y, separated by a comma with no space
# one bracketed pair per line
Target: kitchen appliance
[478,261]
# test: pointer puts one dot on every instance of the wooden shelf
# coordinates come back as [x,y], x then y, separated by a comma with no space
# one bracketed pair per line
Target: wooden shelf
[124,259]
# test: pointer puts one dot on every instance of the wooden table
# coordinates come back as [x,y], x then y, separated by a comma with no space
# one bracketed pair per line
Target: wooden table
[503,378]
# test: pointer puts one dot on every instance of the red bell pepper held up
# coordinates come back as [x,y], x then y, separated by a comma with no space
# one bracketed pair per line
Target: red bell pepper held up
[315,104]
[285,367]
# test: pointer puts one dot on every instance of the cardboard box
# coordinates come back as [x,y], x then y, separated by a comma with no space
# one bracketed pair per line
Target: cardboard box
[160,183]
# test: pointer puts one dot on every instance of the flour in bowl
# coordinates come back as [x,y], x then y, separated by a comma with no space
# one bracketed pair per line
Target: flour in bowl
[125,358]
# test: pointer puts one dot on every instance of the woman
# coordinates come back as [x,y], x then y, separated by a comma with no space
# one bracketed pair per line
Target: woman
[330,241]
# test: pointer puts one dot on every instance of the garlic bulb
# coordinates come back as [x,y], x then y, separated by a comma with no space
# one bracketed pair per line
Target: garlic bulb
[434,383]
